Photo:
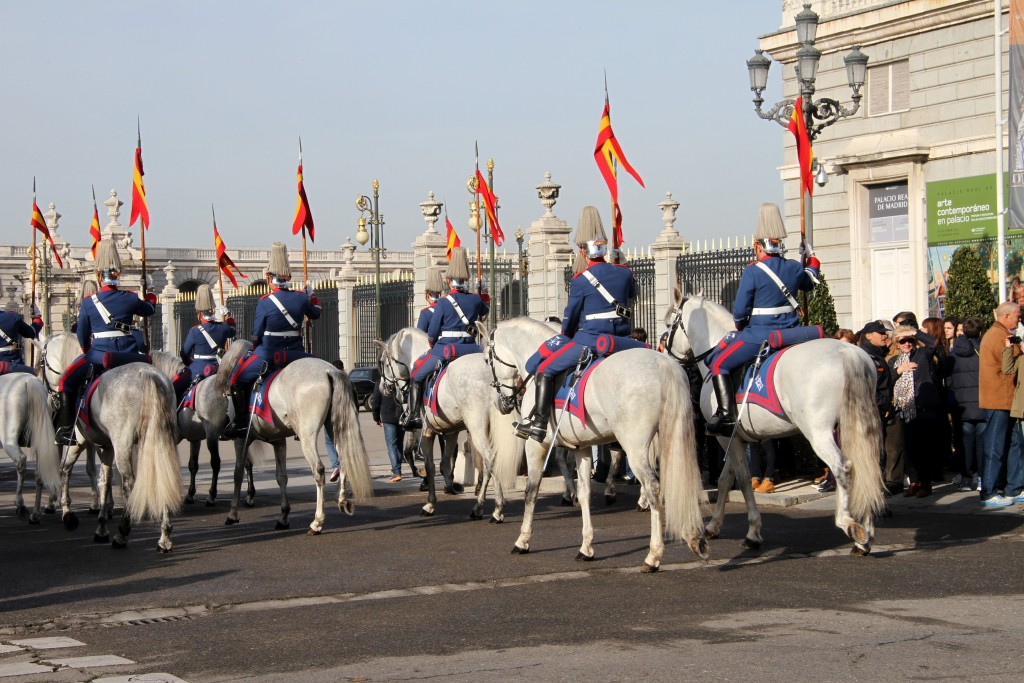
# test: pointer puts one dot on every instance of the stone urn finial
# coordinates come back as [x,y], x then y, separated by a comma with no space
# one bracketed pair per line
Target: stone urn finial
[548,193]
[431,210]
[668,208]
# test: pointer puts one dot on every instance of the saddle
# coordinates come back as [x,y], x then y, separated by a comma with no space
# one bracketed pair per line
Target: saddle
[259,402]
[565,381]
[432,382]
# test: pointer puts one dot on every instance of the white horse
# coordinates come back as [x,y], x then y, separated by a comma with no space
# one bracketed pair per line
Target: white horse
[25,421]
[203,422]
[462,405]
[633,397]
[131,421]
[306,396]
[56,352]
[824,386]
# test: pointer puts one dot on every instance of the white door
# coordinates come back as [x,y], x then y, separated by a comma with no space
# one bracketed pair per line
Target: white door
[892,287]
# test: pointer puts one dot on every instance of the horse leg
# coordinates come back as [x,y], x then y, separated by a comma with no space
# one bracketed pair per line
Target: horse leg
[448,456]
[308,444]
[213,445]
[280,456]
[164,545]
[738,459]
[427,438]
[644,473]
[241,462]
[250,498]
[535,453]
[825,447]
[101,535]
[193,469]
[20,464]
[615,464]
[583,464]
[90,471]
[570,495]
[124,528]
[68,517]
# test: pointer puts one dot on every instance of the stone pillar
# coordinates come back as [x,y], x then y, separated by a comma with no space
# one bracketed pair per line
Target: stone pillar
[347,278]
[665,249]
[429,249]
[168,295]
[550,253]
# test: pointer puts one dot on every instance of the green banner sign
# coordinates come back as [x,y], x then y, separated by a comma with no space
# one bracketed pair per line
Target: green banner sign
[962,210]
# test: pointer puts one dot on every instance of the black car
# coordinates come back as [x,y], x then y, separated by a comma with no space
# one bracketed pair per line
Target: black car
[364,380]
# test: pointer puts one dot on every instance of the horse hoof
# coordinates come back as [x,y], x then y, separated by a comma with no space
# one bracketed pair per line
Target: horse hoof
[454,490]
[211,504]
[751,545]
[313,532]
[426,513]
[580,557]
[495,520]
[94,512]
[648,569]
[424,487]
[162,550]
[96,538]
[710,535]
[229,521]
[475,515]
[49,510]
[641,508]
[609,500]
[33,519]
[22,512]
[860,551]
[70,521]
[115,545]
[348,507]
[516,550]
[189,500]
[565,502]
[280,526]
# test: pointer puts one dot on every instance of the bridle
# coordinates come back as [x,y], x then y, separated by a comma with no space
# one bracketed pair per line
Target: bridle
[393,384]
[687,360]
[514,398]
[45,364]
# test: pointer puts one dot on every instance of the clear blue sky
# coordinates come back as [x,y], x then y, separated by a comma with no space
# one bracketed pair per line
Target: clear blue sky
[397,91]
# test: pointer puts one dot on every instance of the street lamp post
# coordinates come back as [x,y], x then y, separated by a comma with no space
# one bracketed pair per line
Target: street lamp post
[519,245]
[365,206]
[817,114]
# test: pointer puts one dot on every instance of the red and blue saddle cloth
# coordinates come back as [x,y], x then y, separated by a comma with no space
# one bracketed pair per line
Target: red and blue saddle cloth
[426,364]
[761,390]
[259,402]
[432,387]
[10,366]
[575,404]
[85,403]
[188,399]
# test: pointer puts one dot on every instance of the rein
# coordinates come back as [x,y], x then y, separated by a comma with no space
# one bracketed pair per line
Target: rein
[685,361]
[515,398]
[393,385]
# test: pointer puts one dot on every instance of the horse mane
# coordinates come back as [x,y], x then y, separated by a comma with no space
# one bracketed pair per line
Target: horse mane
[718,315]
[402,344]
[236,350]
[167,363]
[69,348]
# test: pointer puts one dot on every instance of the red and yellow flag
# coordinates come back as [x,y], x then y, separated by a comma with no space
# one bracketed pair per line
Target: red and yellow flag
[224,261]
[804,153]
[303,216]
[451,237]
[139,207]
[94,228]
[39,223]
[607,152]
[617,231]
[491,204]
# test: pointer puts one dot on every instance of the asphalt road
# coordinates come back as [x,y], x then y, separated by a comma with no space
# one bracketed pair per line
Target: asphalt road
[389,595]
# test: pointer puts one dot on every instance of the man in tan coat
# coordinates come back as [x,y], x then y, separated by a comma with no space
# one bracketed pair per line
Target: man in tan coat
[1004,446]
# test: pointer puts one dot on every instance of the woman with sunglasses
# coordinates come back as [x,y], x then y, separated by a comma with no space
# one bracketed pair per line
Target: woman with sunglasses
[918,403]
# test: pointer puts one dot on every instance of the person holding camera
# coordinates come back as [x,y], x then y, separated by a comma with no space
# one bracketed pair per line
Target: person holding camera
[1004,447]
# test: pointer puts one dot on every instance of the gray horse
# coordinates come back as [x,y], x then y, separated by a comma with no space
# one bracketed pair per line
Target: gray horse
[306,396]
[25,421]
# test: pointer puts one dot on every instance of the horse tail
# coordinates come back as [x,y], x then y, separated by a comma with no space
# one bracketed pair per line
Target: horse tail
[681,487]
[347,436]
[507,449]
[157,486]
[860,437]
[40,436]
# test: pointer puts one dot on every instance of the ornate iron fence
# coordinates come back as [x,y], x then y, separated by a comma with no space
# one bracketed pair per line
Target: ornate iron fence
[715,274]
[395,305]
[156,329]
[645,307]
[323,333]
[508,291]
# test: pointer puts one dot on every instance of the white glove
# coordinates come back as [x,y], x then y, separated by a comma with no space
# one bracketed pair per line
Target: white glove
[36,313]
[309,289]
[806,249]
[481,287]
[221,312]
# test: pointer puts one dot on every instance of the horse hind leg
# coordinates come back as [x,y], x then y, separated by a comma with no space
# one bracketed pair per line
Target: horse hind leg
[101,535]
[280,455]
[124,527]
[583,464]
[91,472]
[534,471]
[193,469]
[241,463]
[213,445]
[861,534]
[164,545]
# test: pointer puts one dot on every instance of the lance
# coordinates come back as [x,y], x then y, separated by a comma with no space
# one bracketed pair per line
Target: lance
[220,270]
[305,267]
[145,277]
[32,355]
[479,226]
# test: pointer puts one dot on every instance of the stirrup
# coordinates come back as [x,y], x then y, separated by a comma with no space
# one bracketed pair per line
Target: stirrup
[65,436]
[527,429]
[720,425]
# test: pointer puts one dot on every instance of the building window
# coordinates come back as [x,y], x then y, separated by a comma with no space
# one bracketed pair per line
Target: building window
[889,88]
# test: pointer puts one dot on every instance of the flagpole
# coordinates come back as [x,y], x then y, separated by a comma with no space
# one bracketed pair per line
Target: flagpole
[480,225]
[490,182]
[145,279]
[32,353]
[216,256]
[305,270]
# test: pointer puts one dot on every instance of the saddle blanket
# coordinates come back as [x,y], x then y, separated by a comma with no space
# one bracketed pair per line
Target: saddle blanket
[762,389]
[188,401]
[85,403]
[576,406]
[259,403]
[430,394]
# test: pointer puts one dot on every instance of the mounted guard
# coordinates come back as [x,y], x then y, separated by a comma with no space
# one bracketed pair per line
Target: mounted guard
[276,336]
[765,302]
[435,283]
[204,344]
[597,321]
[451,332]
[104,331]
[13,329]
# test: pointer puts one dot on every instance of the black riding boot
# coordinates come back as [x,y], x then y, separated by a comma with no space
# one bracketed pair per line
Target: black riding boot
[238,428]
[412,420]
[724,419]
[536,425]
[65,435]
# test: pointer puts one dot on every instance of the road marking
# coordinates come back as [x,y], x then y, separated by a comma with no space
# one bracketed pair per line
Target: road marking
[141,678]
[87,662]
[23,669]
[9,648]
[49,643]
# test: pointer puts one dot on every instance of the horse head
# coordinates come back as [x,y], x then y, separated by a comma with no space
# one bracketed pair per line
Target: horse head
[389,375]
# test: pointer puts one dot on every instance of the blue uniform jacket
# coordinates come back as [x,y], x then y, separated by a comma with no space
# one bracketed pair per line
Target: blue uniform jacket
[758,292]
[15,327]
[122,306]
[426,315]
[270,322]
[446,326]
[196,351]
[588,314]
